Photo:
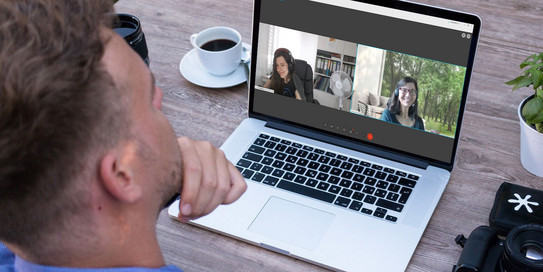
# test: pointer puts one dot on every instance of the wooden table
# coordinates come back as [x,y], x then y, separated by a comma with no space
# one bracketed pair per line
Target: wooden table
[489,146]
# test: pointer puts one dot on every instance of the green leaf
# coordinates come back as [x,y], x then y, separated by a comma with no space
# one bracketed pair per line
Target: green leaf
[524,82]
[515,81]
[538,118]
[539,127]
[532,109]
[536,78]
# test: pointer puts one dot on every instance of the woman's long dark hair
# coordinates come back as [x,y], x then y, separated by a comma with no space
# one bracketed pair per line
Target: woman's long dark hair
[394,101]
[277,84]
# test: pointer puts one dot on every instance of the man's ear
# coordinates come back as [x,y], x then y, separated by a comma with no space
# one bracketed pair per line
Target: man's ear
[117,174]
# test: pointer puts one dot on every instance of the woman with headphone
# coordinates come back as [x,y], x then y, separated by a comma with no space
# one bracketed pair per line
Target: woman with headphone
[284,80]
[402,107]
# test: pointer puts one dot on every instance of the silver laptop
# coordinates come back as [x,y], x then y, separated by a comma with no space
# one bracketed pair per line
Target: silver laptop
[335,178]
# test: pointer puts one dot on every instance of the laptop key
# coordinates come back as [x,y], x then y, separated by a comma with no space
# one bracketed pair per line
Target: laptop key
[289,176]
[391,218]
[280,147]
[355,205]
[392,178]
[370,199]
[389,205]
[270,180]
[319,151]
[247,173]
[324,159]
[313,165]
[334,189]
[346,192]
[311,173]
[313,157]
[308,148]
[292,159]
[358,196]
[275,139]
[413,177]
[323,186]
[300,179]
[300,170]
[267,170]
[322,176]
[341,157]
[354,161]
[330,154]
[389,170]
[343,202]
[243,163]
[259,142]
[380,175]
[392,196]
[365,164]
[297,145]
[382,184]
[306,191]
[270,153]
[278,173]
[302,153]
[257,149]
[370,181]
[289,167]
[358,169]
[346,166]
[270,144]
[252,156]
[401,174]
[367,211]
[311,183]
[379,212]
[256,166]
[264,136]
[280,156]
[286,142]
[347,174]
[302,162]
[278,164]
[378,167]
[380,193]
[324,168]
[357,186]
[258,177]
[358,178]
[369,172]
[267,161]
[407,182]
[334,180]
[394,188]
[336,171]
[335,162]
[345,183]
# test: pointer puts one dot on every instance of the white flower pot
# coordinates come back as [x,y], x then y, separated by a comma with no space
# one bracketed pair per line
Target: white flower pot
[531,145]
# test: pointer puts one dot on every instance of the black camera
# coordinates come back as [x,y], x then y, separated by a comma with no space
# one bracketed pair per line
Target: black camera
[129,27]
[485,251]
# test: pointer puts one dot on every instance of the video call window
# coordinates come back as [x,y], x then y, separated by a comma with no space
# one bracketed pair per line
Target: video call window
[361,79]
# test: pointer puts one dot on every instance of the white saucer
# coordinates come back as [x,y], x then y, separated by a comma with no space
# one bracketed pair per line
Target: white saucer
[191,68]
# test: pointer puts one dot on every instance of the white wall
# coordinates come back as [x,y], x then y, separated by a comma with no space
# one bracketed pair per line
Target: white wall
[301,45]
[369,70]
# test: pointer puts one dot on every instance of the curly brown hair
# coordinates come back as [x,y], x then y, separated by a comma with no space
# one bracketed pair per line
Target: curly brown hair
[59,108]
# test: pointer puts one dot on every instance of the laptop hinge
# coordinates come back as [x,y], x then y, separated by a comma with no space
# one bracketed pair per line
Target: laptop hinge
[348,144]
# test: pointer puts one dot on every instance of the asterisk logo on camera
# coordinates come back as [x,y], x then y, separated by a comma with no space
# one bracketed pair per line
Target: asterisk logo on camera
[523,202]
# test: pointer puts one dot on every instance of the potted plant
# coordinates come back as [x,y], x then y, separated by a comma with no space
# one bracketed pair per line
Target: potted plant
[530,113]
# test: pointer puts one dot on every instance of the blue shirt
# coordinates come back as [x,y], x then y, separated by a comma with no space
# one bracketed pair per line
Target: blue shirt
[11,263]
[389,117]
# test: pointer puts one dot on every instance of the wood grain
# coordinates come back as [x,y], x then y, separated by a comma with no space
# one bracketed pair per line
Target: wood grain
[488,152]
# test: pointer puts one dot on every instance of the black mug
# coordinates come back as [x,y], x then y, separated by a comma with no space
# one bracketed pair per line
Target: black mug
[129,27]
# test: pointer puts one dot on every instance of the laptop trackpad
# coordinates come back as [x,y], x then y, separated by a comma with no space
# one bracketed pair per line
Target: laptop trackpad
[292,223]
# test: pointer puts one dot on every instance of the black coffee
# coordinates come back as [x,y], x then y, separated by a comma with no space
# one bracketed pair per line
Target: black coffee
[218,45]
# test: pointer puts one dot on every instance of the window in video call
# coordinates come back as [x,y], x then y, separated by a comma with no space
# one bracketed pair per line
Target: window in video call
[392,79]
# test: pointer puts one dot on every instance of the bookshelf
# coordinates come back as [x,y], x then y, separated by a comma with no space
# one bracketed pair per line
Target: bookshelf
[327,63]
[333,55]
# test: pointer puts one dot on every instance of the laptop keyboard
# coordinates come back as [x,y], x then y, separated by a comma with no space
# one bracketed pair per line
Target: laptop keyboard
[354,184]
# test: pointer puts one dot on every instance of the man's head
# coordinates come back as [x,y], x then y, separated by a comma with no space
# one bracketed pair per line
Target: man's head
[80,125]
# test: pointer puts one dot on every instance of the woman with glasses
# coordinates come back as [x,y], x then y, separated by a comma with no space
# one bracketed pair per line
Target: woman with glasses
[402,107]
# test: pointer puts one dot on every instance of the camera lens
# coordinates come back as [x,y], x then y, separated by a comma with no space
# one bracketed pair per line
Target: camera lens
[129,27]
[523,249]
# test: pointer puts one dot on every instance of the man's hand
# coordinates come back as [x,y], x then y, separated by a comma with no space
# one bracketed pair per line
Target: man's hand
[209,179]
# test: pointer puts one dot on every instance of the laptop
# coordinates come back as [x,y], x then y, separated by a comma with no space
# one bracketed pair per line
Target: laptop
[332,179]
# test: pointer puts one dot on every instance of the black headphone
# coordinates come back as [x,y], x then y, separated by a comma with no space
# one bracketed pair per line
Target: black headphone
[290,61]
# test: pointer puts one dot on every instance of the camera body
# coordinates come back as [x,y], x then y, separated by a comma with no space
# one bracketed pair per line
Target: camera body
[485,251]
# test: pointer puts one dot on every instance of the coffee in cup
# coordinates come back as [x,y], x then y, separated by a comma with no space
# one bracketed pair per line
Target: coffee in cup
[219,49]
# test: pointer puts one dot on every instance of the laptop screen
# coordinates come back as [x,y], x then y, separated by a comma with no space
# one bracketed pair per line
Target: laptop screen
[384,73]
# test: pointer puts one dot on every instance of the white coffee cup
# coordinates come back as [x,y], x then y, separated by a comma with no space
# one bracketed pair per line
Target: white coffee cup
[219,49]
